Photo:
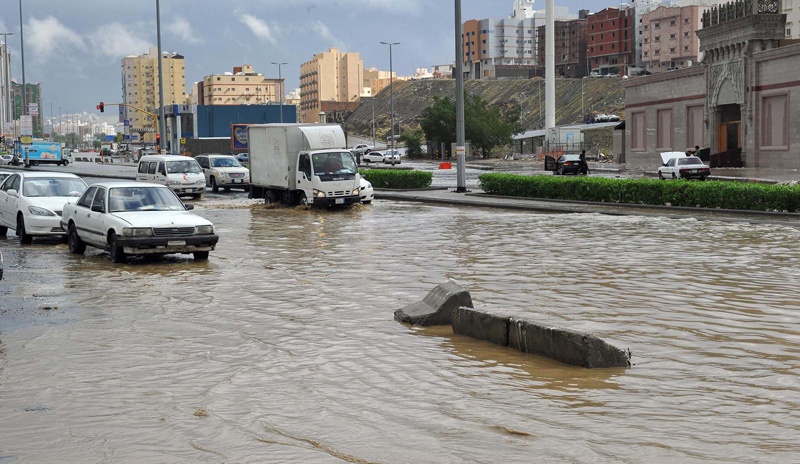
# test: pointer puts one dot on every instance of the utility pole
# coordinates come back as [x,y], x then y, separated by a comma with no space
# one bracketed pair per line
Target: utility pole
[6,67]
[162,124]
[280,85]
[461,155]
[391,96]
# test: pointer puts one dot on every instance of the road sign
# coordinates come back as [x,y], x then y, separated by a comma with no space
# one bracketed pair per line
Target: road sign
[183,140]
[26,124]
[26,140]
[33,109]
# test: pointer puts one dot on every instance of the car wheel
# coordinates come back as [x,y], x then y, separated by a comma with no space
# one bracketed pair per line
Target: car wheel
[214,186]
[674,177]
[561,171]
[76,245]
[661,175]
[117,253]
[197,196]
[24,237]
[200,255]
[3,231]
[303,199]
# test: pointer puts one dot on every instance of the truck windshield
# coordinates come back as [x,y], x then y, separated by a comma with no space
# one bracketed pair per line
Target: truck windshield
[334,164]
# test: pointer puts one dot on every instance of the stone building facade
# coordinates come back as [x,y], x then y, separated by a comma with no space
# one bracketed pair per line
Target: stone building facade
[737,103]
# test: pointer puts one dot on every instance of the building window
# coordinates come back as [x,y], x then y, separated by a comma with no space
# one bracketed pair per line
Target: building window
[775,122]
[672,36]
[672,23]
[638,131]
[685,20]
[672,50]
[664,129]
[657,25]
[685,35]
[657,39]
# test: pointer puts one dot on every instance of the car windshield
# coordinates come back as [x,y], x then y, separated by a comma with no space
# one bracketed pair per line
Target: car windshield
[122,199]
[183,167]
[570,158]
[225,163]
[52,187]
[334,163]
[689,160]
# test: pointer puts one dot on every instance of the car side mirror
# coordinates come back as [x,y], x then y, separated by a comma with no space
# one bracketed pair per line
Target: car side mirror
[98,208]
[12,193]
[188,207]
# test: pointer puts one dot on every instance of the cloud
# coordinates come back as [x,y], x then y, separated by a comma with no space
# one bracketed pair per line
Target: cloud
[48,37]
[406,7]
[183,29]
[323,31]
[117,41]
[259,28]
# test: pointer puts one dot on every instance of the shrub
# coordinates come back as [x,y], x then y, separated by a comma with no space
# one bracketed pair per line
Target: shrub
[725,195]
[398,179]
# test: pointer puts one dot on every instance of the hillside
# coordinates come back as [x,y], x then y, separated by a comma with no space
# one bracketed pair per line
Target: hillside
[603,95]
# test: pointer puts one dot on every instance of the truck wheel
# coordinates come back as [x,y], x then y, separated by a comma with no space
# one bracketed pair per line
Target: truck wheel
[34,163]
[214,186]
[303,199]
[66,162]
[270,198]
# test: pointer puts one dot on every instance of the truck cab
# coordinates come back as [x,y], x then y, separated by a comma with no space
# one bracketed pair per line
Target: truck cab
[328,175]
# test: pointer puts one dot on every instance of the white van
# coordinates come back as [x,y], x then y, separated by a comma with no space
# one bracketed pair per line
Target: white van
[180,173]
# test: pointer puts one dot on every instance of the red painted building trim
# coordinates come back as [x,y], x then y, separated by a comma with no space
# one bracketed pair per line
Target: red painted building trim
[782,85]
[667,101]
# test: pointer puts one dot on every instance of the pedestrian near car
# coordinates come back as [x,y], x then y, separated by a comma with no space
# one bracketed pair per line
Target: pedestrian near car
[584,169]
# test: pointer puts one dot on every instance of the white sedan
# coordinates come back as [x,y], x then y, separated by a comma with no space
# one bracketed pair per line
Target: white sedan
[679,165]
[367,192]
[6,159]
[391,156]
[372,157]
[31,202]
[135,218]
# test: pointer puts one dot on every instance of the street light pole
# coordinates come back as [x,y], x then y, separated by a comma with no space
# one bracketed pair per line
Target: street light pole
[461,156]
[162,124]
[391,95]
[6,65]
[280,85]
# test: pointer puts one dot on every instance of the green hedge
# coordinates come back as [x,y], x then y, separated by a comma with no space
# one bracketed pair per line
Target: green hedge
[725,195]
[398,179]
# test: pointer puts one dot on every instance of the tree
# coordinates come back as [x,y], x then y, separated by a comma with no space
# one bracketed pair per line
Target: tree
[485,125]
[413,142]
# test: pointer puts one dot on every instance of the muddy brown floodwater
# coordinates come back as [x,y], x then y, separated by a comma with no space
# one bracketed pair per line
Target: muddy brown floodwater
[283,348]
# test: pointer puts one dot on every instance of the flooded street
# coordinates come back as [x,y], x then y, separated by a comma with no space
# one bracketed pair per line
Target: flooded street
[282,346]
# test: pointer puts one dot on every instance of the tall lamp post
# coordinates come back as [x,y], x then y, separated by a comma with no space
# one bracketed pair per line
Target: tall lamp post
[6,67]
[461,143]
[280,85]
[391,95]
[162,123]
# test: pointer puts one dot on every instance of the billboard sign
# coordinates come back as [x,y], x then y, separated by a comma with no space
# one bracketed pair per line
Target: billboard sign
[26,124]
[239,136]
[33,109]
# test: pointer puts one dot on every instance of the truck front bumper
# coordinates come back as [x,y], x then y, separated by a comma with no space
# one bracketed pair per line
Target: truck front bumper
[336,201]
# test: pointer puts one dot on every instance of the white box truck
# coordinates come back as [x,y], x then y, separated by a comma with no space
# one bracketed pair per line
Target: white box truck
[306,164]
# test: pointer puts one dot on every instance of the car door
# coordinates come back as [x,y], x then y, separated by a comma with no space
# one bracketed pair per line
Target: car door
[8,203]
[205,164]
[91,224]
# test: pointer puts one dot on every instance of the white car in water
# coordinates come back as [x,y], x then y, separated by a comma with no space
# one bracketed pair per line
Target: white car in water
[679,165]
[31,202]
[134,218]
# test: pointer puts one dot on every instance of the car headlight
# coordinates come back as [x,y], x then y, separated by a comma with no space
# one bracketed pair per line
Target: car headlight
[205,230]
[173,182]
[137,232]
[37,211]
[319,193]
[355,191]
[222,174]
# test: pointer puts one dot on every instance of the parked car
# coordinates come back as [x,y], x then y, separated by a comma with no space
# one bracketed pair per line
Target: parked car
[223,171]
[372,157]
[391,157]
[181,173]
[31,202]
[243,158]
[367,192]
[134,218]
[678,165]
[6,159]
[361,148]
[565,164]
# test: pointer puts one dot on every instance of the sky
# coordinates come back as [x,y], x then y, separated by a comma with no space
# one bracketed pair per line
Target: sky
[74,48]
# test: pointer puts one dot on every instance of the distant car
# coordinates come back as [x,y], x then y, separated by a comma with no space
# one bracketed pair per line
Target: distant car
[367,192]
[6,159]
[31,202]
[243,158]
[134,218]
[361,148]
[565,164]
[678,165]
[391,157]
[223,171]
[372,157]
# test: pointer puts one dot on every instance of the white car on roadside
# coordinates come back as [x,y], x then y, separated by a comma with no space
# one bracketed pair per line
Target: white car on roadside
[134,218]
[372,157]
[367,192]
[679,165]
[391,157]
[31,202]
[6,159]
[223,171]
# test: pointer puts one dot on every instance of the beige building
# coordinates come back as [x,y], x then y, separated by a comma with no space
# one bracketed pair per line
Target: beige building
[668,37]
[241,87]
[377,80]
[141,88]
[331,80]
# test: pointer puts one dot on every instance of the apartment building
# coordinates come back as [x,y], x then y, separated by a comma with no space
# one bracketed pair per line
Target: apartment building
[243,86]
[376,80]
[570,46]
[331,80]
[506,47]
[140,88]
[669,40]
[610,41]
[33,96]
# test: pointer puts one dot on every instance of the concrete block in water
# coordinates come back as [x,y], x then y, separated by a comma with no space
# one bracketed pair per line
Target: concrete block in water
[566,346]
[437,307]
[481,325]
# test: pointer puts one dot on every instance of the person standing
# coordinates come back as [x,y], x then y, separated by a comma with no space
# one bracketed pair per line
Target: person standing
[584,167]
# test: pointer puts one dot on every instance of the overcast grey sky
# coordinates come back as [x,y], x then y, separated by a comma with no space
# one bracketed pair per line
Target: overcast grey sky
[73,48]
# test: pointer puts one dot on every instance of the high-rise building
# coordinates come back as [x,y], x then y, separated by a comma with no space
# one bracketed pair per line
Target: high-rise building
[570,47]
[377,80]
[331,82]
[506,47]
[140,88]
[668,37]
[610,40]
[241,87]
[33,96]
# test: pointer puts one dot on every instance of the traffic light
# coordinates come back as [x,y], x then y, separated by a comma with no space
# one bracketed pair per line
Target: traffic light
[158,139]
[101,107]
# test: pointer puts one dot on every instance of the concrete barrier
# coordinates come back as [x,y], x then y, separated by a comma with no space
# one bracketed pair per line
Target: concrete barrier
[437,307]
[451,304]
